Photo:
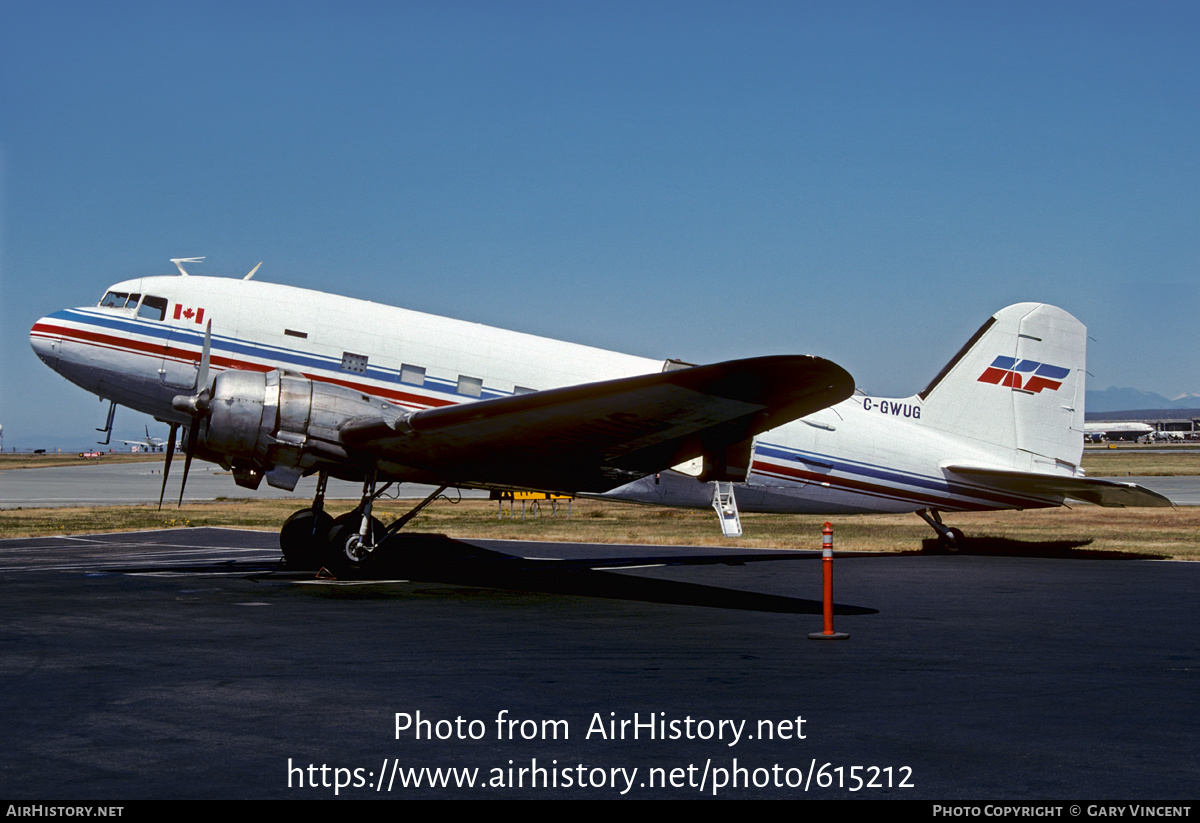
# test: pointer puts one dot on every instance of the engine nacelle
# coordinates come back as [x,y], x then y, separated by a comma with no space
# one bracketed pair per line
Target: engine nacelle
[278,425]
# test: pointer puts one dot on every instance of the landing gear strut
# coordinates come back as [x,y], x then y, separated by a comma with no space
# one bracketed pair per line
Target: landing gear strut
[304,534]
[356,538]
[950,538]
[356,534]
[310,538]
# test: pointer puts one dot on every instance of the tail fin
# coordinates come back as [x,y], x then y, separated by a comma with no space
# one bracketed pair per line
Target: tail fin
[1018,385]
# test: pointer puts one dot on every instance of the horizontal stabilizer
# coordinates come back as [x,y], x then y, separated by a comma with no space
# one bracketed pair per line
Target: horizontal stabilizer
[598,436]
[1087,489]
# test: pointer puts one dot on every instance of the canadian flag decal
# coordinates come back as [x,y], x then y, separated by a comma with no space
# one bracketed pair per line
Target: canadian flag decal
[182,313]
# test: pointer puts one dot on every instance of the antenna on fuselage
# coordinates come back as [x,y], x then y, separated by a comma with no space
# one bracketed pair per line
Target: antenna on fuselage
[179,261]
[252,271]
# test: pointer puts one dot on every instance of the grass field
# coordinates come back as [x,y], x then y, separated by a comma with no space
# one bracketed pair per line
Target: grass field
[1173,533]
[1128,462]
[52,459]
[1168,533]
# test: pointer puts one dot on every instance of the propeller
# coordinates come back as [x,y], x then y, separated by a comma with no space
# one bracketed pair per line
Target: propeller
[196,407]
[167,467]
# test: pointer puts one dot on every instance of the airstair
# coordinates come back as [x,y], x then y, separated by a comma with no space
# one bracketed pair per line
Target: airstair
[725,505]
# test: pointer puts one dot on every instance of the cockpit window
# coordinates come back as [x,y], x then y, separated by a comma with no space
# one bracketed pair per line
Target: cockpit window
[153,308]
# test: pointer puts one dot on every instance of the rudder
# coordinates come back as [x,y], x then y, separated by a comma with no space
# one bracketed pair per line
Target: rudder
[1017,387]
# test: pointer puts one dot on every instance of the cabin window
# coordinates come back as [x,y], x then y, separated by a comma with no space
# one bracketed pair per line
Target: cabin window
[114,300]
[412,374]
[303,335]
[356,363]
[153,308]
[470,386]
[523,390]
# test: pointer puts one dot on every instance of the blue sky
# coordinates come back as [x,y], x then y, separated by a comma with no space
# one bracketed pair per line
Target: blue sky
[705,180]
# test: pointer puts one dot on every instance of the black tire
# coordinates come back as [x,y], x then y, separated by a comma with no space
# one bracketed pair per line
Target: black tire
[339,545]
[302,539]
[954,542]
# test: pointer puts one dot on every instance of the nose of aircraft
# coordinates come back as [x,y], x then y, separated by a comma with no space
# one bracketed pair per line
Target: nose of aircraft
[45,341]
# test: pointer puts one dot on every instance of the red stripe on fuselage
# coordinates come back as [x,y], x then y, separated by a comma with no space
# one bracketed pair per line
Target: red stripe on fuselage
[108,341]
[180,355]
[876,490]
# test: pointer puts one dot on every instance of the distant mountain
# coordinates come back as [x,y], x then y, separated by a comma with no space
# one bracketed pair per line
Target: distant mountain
[1186,401]
[1115,399]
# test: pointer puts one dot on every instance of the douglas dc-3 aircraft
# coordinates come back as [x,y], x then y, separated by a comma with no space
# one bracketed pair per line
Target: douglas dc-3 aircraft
[277,382]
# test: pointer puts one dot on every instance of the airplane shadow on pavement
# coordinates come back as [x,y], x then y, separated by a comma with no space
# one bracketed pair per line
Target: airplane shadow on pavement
[985,546]
[435,558]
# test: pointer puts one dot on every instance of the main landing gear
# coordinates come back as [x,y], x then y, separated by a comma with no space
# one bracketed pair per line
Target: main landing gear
[304,534]
[950,539]
[346,545]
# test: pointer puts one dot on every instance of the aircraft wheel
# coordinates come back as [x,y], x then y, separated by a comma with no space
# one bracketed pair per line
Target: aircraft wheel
[954,541]
[302,538]
[344,555]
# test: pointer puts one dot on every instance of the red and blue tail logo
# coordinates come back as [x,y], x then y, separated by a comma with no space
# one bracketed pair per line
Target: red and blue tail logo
[1027,375]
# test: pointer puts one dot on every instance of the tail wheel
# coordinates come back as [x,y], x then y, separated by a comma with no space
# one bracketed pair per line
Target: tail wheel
[953,542]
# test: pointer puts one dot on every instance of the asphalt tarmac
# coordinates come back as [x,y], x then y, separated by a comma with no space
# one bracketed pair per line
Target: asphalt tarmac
[188,664]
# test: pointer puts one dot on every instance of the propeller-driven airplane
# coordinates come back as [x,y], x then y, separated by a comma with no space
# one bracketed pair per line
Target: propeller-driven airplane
[277,382]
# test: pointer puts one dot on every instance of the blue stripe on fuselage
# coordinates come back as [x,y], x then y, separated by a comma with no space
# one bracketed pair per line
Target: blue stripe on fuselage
[287,358]
[896,477]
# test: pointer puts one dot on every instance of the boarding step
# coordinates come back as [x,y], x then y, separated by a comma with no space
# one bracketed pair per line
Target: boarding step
[725,505]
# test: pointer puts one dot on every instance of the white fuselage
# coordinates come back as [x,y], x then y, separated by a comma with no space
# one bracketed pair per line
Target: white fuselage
[864,454]
[1119,431]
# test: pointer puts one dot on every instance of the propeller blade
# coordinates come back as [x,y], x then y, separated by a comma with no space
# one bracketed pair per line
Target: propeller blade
[187,456]
[167,464]
[196,407]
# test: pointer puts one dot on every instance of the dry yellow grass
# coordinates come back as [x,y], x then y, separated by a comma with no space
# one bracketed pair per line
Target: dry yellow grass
[1173,533]
[1145,463]
[51,459]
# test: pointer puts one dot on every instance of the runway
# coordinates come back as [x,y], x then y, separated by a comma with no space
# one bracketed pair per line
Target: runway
[1182,490]
[130,483]
[117,484]
[188,664]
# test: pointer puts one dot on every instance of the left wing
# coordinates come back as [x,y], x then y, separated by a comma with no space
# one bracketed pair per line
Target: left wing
[1087,489]
[597,436]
